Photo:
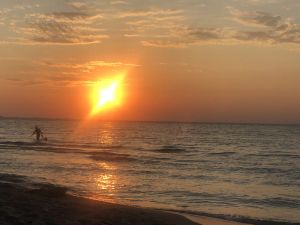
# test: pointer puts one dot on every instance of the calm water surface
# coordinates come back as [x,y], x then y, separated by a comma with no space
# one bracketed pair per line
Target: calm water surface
[240,170]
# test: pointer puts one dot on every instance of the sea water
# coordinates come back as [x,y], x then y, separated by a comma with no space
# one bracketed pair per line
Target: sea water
[240,170]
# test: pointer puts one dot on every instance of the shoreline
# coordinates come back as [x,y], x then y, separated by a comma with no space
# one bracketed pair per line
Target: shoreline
[35,203]
[49,204]
[205,220]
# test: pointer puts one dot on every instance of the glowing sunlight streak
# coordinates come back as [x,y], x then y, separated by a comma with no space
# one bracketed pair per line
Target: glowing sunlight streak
[106,94]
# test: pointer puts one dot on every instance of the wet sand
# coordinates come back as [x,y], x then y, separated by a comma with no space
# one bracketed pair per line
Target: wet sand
[50,205]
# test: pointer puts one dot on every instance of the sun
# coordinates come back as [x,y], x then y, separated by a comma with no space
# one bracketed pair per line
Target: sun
[107,93]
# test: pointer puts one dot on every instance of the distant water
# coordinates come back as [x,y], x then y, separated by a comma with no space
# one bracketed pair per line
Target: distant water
[239,170]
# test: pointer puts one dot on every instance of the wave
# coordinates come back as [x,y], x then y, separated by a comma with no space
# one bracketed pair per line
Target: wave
[62,144]
[222,153]
[235,218]
[93,146]
[44,148]
[238,200]
[20,143]
[111,157]
[272,154]
[96,153]
[169,149]
[57,148]
[259,170]
[11,178]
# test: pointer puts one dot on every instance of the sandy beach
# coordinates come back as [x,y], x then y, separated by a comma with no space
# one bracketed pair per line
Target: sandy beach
[49,204]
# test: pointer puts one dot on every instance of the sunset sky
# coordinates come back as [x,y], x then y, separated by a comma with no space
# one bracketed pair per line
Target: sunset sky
[182,60]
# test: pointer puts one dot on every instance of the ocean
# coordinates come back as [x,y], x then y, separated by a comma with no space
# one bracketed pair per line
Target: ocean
[234,170]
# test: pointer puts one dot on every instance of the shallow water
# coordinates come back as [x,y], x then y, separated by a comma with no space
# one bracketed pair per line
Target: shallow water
[238,170]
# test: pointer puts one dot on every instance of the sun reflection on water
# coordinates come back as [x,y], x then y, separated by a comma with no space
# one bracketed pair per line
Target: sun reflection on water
[105,135]
[106,181]
[106,166]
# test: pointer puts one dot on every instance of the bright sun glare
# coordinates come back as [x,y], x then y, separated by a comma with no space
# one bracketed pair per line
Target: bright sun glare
[107,93]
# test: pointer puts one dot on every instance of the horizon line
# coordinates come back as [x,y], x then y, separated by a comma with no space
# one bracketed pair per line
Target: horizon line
[155,121]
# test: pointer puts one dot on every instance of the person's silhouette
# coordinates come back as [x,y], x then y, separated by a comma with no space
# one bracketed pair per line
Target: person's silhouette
[38,133]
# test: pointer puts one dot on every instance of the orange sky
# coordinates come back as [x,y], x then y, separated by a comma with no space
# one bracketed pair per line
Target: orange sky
[194,60]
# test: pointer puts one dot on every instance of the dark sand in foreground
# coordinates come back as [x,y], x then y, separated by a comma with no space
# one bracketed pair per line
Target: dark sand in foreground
[46,204]
[50,206]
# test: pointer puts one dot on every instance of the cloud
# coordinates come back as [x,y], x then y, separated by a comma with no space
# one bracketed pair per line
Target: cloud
[164,44]
[151,23]
[75,71]
[79,5]
[3,15]
[185,36]
[82,22]
[60,28]
[264,29]
[255,18]
[273,28]
[71,17]
[1,20]
[203,33]
[120,2]
[150,12]
[90,65]
[51,72]
[261,1]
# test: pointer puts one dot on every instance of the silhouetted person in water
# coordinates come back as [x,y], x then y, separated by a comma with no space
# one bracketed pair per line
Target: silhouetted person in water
[38,133]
